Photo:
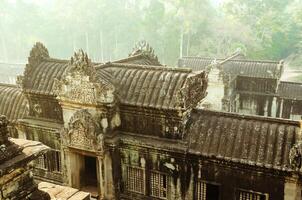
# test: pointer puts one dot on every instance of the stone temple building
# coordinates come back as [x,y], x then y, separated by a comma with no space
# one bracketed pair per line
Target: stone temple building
[131,129]
[248,86]
[16,178]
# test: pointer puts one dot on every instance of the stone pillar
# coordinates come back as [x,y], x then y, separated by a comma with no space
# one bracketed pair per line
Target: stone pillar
[65,155]
[266,107]
[274,107]
[109,192]
[292,190]
[190,193]
[291,110]
[100,175]
[281,108]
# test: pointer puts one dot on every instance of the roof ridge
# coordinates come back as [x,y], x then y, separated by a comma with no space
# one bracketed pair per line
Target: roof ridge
[241,60]
[251,117]
[55,60]
[153,67]
[263,61]
[9,85]
[127,59]
[291,82]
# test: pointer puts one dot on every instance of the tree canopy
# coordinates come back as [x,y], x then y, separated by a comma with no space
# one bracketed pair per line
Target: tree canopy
[108,29]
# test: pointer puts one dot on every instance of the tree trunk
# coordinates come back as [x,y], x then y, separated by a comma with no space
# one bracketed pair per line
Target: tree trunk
[4,49]
[87,43]
[115,46]
[188,44]
[73,43]
[181,42]
[101,45]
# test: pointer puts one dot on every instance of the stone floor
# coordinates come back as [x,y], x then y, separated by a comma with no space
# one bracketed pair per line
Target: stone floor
[58,192]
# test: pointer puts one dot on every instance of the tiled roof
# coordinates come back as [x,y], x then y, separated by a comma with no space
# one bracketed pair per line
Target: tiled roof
[13,104]
[41,77]
[151,86]
[290,90]
[250,68]
[252,140]
[140,59]
[196,63]
[41,70]
[135,84]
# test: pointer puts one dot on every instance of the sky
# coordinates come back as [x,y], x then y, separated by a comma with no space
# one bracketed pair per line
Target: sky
[215,2]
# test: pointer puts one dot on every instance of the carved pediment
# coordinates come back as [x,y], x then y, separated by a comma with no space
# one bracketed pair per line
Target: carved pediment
[80,84]
[81,64]
[144,48]
[36,56]
[193,90]
[83,132]
[295,156]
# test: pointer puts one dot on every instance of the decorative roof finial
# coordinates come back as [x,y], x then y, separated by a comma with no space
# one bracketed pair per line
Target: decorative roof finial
[38,51]
[37,54]
[80,63]
[143,47]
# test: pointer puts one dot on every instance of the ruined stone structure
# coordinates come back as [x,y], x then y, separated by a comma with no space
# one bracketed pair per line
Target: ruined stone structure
[16,175]
[16,178]
[130,129]
[248,86]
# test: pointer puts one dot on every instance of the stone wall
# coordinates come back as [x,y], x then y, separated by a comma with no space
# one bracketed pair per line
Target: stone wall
[19,184]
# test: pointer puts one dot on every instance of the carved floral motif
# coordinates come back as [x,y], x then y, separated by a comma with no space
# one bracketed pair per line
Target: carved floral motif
[80,84]
[144,48]
[81,64]
[295,156]
[37,54]
[83,132]
[193,91]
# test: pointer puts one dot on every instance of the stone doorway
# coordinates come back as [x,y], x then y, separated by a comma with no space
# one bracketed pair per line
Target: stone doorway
[89,178]
[83,172]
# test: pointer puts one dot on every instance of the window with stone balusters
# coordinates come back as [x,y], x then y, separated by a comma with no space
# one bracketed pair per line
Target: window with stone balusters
[159,185]
[40,162]
[206,191]
[250,195]
[57,165]
[50,161]
[135,181]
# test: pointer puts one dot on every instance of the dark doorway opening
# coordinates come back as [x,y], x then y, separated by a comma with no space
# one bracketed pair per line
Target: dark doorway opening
[212,192]
[89,178]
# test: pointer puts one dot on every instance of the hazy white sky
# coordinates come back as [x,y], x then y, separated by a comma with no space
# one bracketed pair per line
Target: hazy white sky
[216,2]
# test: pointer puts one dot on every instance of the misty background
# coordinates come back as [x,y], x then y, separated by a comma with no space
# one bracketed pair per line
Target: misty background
[109,29]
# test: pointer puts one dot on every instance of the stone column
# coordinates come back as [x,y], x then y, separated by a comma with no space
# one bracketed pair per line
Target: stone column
[266,107]
[100,177]
[281,108]
[291,110]
[65,155]
[274,107]
[109,192]
[292,190]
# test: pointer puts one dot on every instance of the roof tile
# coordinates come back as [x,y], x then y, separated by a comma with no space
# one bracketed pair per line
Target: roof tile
[252,140]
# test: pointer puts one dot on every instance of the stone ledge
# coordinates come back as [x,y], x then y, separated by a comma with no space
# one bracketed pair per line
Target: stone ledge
[63,192]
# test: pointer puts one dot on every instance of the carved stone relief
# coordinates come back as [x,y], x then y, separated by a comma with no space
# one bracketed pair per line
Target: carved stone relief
[295,156]
[194,88]
[83,132]
[144,48]
[81,85]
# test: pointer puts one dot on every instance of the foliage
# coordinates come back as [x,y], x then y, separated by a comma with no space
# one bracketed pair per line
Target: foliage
[108,29]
